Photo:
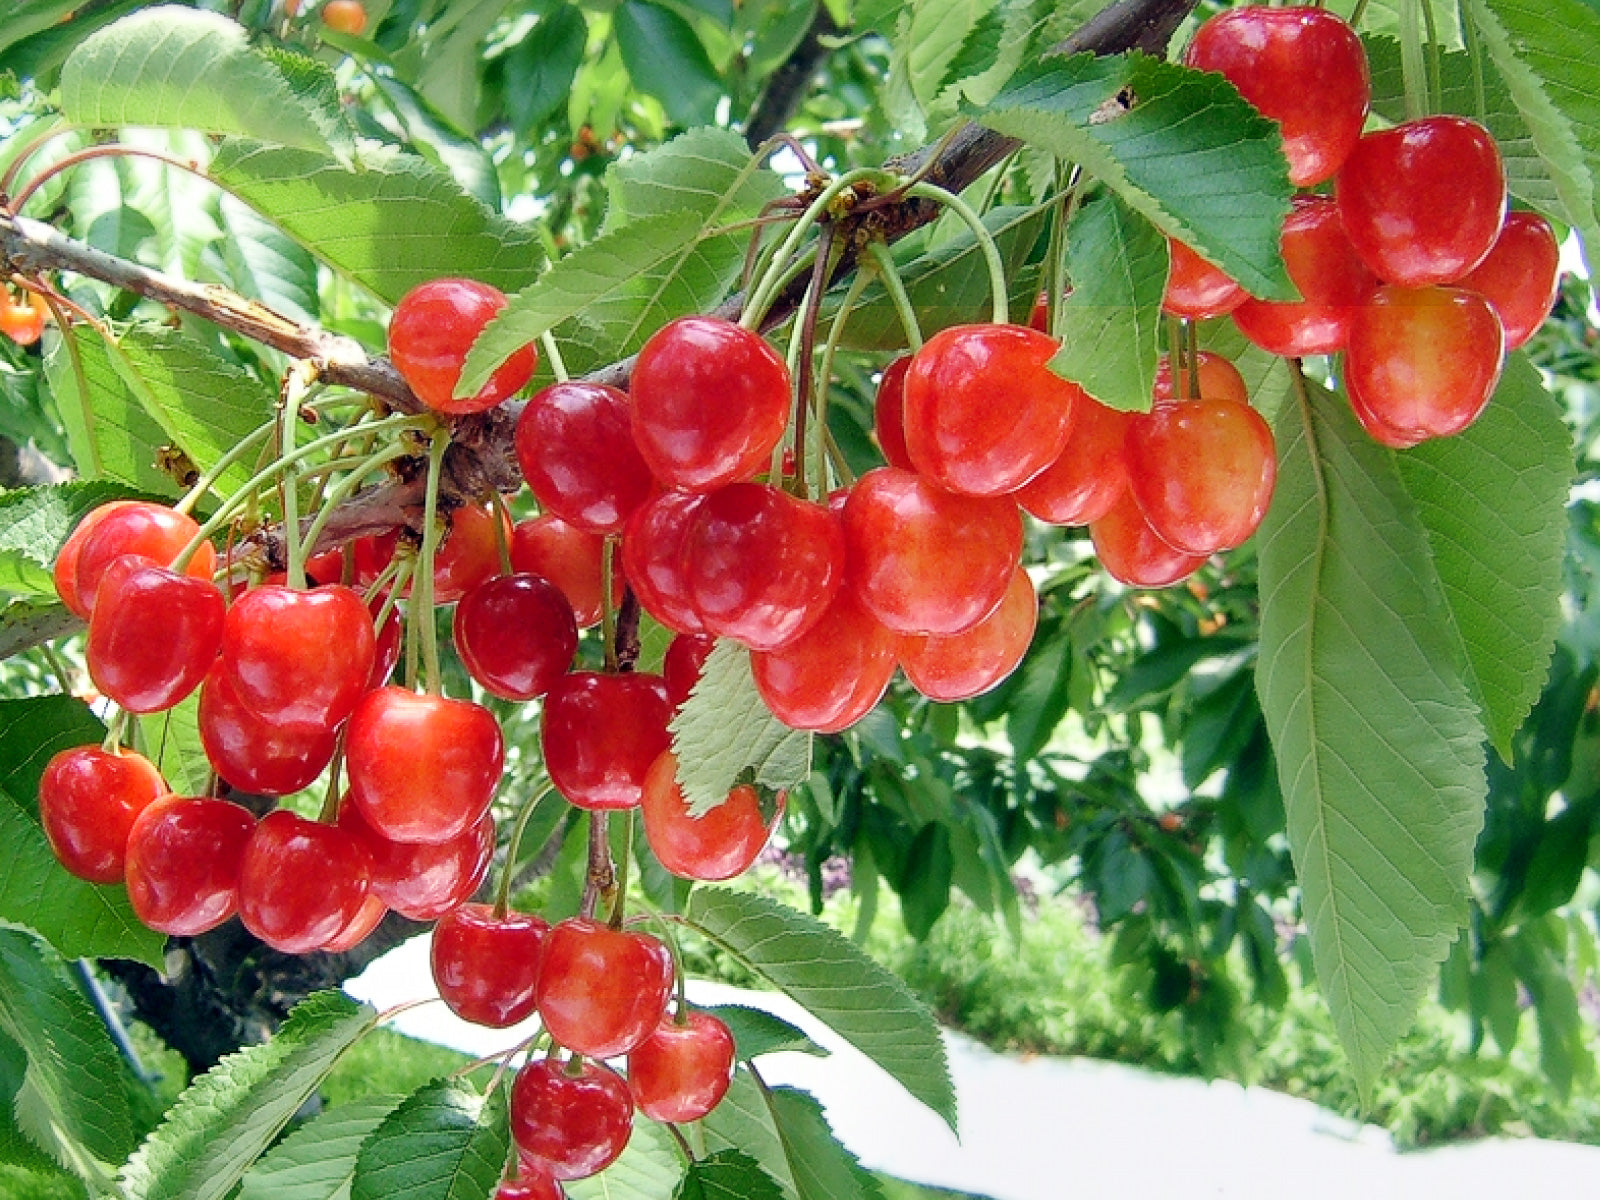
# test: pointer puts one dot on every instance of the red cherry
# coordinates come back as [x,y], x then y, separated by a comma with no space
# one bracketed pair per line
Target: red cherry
[1521,276]
[761,565]
[301,883]
[1090,473]
[600,734]
[710,403]
[1423,202]
[685,659]
[1330,276]
[574,442]
[150,531]
[367,918]
[653,559]
[153,635]
[1215,378]
[422,768]
[487,966]
[983,414]
[1303,67]
[64,571]
[575,1118]
[719,845]
[468,554]
[516,635]
[1422,363]
[424,880]
[924,560]
[433,327]
[184,856]
[569,558]
[345,16]
[386,648]
[22,320]
[1196,289]
[533,1182]
[959,666]
[889,416]
[253,754]
[601,990]
[299,658]
[1133,553]
[830,677]
[682,1070]
[88,801]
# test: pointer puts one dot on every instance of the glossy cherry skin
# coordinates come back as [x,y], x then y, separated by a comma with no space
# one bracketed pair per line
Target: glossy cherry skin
[889,414]
[830,677]
[468,554]
[1423,202]
[487,967]
[1303,67]
[569,558]
[22,320]
[360,927]
[1133,553]
[574,442]
[424,880]
[576,1124]
[719,845]
[601,990]
[184,856]
[153,635]
[959,666]
[710,403]
[1215,378]
[761,565]
[299,657]
[653,558]
[88,801]
[1521,276]
[64,571]
[266,758]
[682,1070]
[681,667]
[600,734]
[1088,476]
[433,327]
[516,635]
[1196,289]
[924,560]
[983,415]
[150,531]
[1332,280]
[422,768]
[533,1182]
[1422,363]
[301,883]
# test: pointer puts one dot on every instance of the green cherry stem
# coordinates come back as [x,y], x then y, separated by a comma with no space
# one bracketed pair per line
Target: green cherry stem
[600,876]
[342,490]
[889,272]
[422,588]
[116,728]
[552,353]
[502,519]
[1413,65]
[991,253]
[300,376]
[331,798]
[825,373]
[502,894]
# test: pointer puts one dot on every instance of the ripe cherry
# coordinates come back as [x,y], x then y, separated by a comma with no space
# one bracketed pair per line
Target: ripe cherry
[299,657]
[653,559]
[1133,553]
[433,327]
[710,403]
[22,320]
[1215,378]
[422,768]
[959,666]
[265,758]
[1422,362]
[1088,476]
[889,414]
[301,883]
[367,917]
[487,966]
[569,558]
[681,667]
[983,414]
[88,801]
[601,733]
[1423,202]
[574,443]
[533,1182]
[924,560]
[424,880]
[720,844]
[151,531]
[346,16]
[601,990]
[183,862]
[1521,276]
[153,635]
[830,677]
[682,1070]
[468,554]
[574,1118]
[1303,67]
[1196,289]
[64,571]
[516,635]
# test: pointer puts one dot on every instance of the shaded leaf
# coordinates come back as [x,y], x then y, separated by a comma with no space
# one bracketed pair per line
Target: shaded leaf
[318,1160]
[111,435]
[666,60]
[823,1168]
[727,1175]
[444,1142]
[649,1168]
[540,68]
[757,1032]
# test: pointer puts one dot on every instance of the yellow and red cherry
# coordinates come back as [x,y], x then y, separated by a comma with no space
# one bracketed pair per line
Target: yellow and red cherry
[430,333]
[1521,276]
[89,799]
[1195,288]
[153,635]
[569,558]
[301,883]
[22,320]
[299,657]
[574,1118]
[1088,475]
[253,754]
[830,677]
[958,666]
[183,860]
[682,1070]
[602,990]
[1133,553]
[719,845]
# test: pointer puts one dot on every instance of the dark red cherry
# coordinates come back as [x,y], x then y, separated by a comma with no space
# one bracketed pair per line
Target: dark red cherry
[574,442]
[682,1070]
[253,754]
[183,862]
[301,883]
[573,1118]
[516,635]
[601,733]
[153,635]
[299,657]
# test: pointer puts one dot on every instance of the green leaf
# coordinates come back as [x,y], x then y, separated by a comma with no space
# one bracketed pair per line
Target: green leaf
[171,740]
[444,1142]
[1111,322]
[72,1065]
[1379,745]
[111,435]
[174,67]
[706,171]
[823,1168]
[757,1032]
[924,885]
[433,135]
[1180,146]
[81,920]
[390,222]
[540,68]
[318,1160]
[649,1168]
[25,624]
[743,1121]
[1493,501]
[724,734]
[727,1175]
[937,31]
[228,1116]
[33,524]
[1164,666]
[666,60]
[838,984]
[266,265]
